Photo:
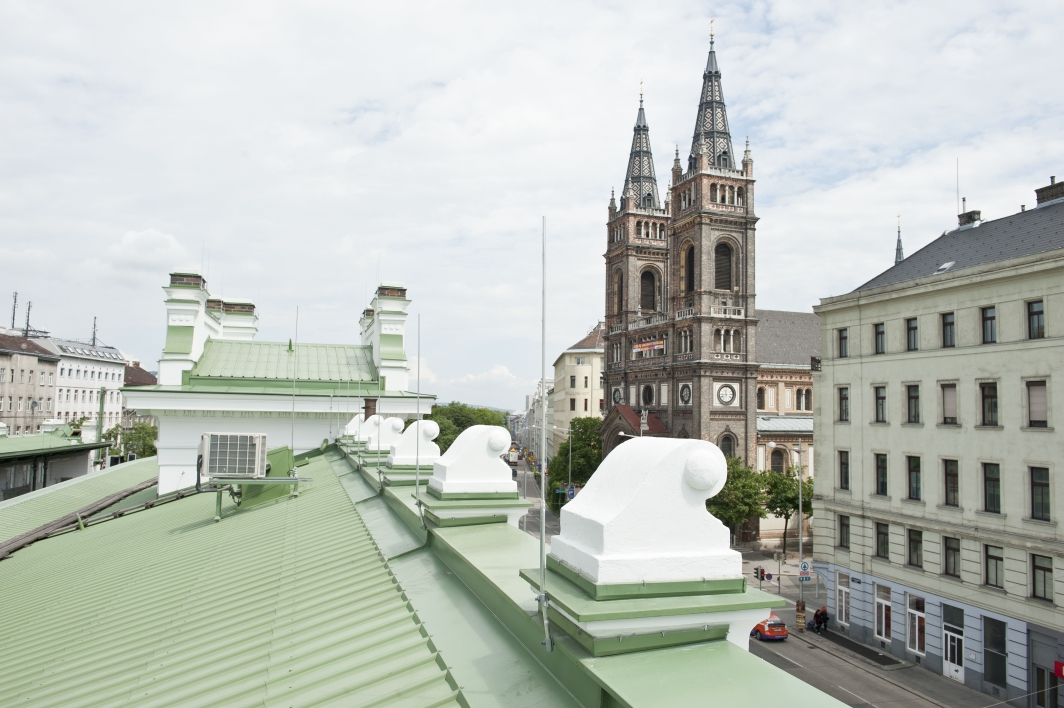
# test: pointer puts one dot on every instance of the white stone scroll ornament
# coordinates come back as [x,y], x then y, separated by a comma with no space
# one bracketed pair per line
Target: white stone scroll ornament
[472,464]
[410,450]
[642,516]
[369,428]
[386,435]
[354,428]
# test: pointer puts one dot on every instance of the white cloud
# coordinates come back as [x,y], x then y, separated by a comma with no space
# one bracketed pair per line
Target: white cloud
[297,146]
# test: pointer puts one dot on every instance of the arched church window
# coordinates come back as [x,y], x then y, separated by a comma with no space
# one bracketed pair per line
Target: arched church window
[618,292]
[723,270]
[777,461]
[801,400]
[647,290]
[740,196]
[688,277]
[648,395]
[809,399]
[737,341]
[761,398]
[727,446]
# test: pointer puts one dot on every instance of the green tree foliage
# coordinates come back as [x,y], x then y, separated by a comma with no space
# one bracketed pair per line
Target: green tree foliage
[139,440]
[587,454]
[742,497]
[455,417]
[782,496]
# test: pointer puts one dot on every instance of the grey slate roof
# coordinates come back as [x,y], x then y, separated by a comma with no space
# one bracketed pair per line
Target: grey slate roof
[1023,234]
[787,337]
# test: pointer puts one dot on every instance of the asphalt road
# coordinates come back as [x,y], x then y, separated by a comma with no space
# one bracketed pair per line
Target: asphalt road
[527,487]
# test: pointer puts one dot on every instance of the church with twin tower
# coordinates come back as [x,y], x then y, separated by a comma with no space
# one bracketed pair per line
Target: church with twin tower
[682,327]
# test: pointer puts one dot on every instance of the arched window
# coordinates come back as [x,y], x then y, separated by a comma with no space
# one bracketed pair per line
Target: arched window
[809,399]
[777,461]
[723,270]
[727,446]
[801,400]
[687,270]
[712,192]
[618,292]
[761,398]
[647,290]
[648,395]
[740,196]
[737,341]
[648,201]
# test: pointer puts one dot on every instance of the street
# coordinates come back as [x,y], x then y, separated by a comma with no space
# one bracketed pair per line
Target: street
[527,487]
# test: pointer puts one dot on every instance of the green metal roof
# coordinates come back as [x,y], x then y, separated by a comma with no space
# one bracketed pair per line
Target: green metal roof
[288,603]
[273,360]
[28,511]
[18,446]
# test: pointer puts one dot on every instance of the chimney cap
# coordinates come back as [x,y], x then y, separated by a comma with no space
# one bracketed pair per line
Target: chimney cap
[969,217]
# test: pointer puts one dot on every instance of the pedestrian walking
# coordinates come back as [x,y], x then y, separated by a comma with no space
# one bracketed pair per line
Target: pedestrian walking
[820,619]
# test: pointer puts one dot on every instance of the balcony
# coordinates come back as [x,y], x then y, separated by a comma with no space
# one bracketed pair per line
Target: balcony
[685,313]
[650,320]
[726,312]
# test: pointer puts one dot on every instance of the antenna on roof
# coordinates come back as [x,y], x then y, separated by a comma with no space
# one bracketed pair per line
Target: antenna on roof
[417,437]
[14,307]
[94,331]
[295,372]
[26,331]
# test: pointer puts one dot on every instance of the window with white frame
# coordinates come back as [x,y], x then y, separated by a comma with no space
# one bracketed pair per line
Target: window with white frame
[842,598]
[916,619]
[882,627]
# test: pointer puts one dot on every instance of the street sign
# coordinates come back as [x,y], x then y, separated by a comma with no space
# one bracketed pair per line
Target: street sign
[768,576]
[804,567]
[571,492]
[805,579]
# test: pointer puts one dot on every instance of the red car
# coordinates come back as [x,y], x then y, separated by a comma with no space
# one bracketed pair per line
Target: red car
[771,628]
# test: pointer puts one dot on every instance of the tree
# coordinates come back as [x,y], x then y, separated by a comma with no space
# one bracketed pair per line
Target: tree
[455,417]
[586,443]
[782,497]
[742,497]
[138,440]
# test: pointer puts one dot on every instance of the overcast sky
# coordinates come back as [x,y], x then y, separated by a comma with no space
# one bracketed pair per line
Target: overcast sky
[303,144]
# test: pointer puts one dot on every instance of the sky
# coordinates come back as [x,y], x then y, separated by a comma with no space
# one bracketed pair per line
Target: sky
[298,153]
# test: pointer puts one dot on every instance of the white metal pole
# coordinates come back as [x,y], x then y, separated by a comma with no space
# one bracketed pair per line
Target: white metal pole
[417,424]
[543,452]
[801,523]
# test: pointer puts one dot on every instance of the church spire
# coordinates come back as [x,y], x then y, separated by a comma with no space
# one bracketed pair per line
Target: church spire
[712,136]
[640,184]
[899,254]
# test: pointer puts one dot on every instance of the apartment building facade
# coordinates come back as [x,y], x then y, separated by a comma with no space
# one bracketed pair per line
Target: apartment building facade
[87,375]
[578,391]
[27,384]
[937,505]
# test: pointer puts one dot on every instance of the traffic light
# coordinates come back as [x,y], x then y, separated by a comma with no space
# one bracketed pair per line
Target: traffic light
[761,575]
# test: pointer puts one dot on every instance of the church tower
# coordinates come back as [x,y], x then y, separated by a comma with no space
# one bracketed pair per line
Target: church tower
[687,360]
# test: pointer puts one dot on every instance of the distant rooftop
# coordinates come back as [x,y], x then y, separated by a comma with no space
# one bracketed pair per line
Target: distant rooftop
[789,338]
[74,348]
[1025,233]
[594,339]
[19,345]
[801,424]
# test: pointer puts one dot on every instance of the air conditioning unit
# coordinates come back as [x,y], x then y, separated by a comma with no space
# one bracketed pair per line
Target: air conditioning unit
[232,455]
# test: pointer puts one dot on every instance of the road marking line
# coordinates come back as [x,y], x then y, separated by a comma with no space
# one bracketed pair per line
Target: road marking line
[857,697]
[785,657]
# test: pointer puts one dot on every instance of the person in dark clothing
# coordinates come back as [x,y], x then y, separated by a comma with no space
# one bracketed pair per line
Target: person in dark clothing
[820,619]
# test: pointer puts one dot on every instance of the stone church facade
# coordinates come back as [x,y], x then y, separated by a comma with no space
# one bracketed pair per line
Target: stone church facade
[682,327]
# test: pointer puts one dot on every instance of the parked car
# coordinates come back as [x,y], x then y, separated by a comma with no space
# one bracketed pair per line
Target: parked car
[771,628]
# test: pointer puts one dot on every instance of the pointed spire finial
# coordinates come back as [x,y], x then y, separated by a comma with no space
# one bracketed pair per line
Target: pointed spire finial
[711,21]
[640,90]
[899,254]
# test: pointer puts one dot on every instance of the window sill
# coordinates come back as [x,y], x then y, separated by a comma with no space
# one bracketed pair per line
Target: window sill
[993,588]
[951,578]
[842,548]
[907,500]
[915,568]
[1039,522]
[948,425]
[1042,600]
[879,422]
[1036,429]
[879,496]
[912,425]
[989,427]
[881,559]
[842,422]
[840,489]
[992,514]
[949,507]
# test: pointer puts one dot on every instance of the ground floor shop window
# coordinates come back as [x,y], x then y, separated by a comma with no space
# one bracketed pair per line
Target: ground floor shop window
[917,619]
[1045,688]
[842,599]
[882,612]
[995,652]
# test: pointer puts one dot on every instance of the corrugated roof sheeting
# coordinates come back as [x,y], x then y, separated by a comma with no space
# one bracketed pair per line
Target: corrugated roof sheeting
[784,424]
[27,512]
[272,360]
[284,604]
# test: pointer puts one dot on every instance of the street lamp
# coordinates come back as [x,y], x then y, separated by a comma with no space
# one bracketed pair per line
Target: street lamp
[801,515]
